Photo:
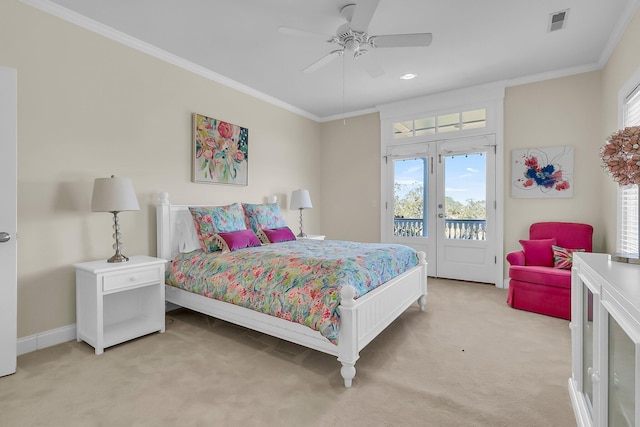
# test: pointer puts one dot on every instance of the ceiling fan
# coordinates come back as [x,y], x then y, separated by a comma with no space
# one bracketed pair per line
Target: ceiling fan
[352,37]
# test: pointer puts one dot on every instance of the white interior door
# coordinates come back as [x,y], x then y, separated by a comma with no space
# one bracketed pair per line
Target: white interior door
[8,225]
[441,200]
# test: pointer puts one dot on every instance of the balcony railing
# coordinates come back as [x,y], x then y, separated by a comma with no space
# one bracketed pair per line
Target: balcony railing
[467,229]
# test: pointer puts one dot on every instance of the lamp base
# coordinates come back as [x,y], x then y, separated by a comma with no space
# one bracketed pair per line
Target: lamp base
[118,257]
[625,258]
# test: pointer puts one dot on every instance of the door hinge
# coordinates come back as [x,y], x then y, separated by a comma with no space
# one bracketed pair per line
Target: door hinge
[495,204]
[386,159]
[495,259]
[431,165]
[386,205]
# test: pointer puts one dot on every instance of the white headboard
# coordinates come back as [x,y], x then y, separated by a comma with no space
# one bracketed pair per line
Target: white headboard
[170,219]
[166,226]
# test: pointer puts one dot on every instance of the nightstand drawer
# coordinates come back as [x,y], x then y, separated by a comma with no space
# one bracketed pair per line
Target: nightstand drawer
[131,278]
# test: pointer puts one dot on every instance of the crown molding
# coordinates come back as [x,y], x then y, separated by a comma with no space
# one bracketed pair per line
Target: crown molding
[555,74]
[618,31]
[144,47]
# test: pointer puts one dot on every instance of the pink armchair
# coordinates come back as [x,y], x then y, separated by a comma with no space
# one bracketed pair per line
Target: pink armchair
[536,285]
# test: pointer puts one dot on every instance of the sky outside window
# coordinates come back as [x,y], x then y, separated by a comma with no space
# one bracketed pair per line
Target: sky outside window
[464,176]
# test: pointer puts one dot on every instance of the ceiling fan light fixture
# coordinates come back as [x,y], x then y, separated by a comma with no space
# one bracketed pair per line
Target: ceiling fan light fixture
[408,76]
[353,37]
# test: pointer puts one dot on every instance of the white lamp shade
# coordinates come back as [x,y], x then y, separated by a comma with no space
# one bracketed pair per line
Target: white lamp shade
[113,195]
[300,199]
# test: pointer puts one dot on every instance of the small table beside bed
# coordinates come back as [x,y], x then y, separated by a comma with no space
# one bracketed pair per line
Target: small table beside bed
[331,296]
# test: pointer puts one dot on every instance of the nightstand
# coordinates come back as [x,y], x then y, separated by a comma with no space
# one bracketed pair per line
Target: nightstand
[117,302]
[312,237]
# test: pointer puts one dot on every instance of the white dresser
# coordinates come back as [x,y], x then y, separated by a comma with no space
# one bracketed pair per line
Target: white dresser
[605,341]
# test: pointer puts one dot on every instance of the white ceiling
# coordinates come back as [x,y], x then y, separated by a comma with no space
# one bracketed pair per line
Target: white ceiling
[474,42]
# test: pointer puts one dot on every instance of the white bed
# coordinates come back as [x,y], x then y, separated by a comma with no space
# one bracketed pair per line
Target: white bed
[361,319]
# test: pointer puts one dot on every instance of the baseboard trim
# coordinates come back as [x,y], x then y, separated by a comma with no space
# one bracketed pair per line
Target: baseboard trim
[46,339]
[56,336]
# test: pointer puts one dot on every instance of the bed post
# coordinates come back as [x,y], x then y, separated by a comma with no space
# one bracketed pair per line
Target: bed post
[163,226]
[422,261]
[348,335]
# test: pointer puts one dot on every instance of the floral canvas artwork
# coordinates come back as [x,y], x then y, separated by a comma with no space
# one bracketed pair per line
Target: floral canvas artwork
[542,172]
[220,151]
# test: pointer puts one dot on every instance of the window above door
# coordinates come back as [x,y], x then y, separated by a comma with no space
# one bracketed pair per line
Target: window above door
[451,122]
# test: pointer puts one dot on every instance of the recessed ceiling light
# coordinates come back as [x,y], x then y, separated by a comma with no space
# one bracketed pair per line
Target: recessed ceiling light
[408,76]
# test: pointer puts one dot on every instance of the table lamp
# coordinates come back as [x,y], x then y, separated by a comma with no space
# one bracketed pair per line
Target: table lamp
[114,195]
[300,199]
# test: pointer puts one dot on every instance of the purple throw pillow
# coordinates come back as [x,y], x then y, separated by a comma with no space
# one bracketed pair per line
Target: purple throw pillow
[235,240]
[276,235]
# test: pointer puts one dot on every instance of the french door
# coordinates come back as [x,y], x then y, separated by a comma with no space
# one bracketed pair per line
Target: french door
[441,199]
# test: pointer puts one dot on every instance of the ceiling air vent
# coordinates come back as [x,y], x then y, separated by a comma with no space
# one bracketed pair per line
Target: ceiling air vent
[558,20]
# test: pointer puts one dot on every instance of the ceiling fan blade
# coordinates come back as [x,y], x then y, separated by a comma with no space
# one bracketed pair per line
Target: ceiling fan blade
[362,14]
[402,40]
[289,31]
[370,65]
[323,61]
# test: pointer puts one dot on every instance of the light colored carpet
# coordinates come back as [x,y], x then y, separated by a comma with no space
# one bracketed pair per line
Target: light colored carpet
[468,360]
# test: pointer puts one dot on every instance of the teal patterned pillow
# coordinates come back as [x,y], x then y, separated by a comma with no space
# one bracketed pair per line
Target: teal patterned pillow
[210,221]
[261,217]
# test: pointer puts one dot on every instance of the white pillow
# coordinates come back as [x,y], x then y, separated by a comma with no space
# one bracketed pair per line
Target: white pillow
[186,234]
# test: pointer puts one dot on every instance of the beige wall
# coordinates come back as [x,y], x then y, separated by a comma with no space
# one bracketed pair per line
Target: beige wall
[564,111]
[89,107]
[622,64]
[351,178]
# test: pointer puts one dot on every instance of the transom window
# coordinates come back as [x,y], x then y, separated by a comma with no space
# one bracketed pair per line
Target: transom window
[451,122]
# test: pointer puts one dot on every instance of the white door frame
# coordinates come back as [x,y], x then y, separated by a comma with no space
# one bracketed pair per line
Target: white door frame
[8,220]
[489,96]
[460,259]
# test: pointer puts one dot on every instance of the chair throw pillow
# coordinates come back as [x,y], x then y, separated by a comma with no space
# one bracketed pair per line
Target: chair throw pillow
[538,252]
[563,257]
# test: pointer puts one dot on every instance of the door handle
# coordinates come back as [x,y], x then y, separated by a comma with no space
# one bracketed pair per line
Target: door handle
[440,215]
[4,237]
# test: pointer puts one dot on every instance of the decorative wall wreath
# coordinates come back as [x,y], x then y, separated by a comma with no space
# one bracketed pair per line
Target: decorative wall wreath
[621,156]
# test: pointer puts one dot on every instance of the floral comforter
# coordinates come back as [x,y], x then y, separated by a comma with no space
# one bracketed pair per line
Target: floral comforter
[298,281]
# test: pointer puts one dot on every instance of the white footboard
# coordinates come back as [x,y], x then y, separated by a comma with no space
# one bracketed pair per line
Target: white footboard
[363,319]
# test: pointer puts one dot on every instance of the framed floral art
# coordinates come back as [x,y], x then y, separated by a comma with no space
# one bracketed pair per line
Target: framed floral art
[220,152]
[542,172]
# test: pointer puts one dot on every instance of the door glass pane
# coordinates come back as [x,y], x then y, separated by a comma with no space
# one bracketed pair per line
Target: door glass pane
[410,197]
[587,347]
[465,190]
[622,374]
